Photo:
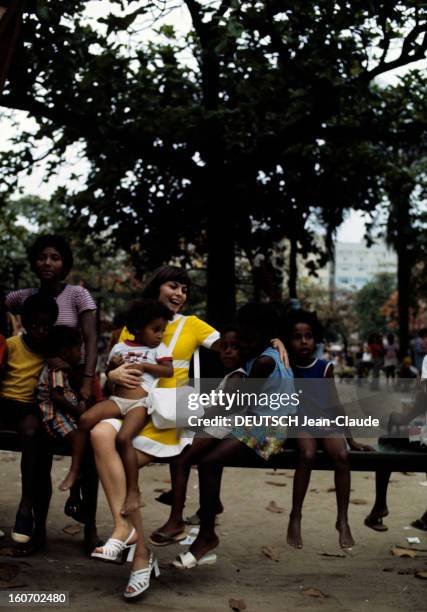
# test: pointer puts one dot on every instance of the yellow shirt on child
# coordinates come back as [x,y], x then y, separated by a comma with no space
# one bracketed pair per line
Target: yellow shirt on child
[22,371]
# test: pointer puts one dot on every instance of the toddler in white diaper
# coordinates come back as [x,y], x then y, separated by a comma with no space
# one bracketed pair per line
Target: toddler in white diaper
[146,320]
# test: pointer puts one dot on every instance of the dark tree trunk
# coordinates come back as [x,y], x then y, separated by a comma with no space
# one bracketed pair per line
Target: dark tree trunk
[10,29]
[221,282]
[220,226]
[399,188]
[293,269]
[403,271]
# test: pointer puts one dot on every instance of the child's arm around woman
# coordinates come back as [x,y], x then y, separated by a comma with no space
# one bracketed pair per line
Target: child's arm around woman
[335,402]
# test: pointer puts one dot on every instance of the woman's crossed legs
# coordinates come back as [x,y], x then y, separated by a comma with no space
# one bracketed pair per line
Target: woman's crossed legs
[113,479]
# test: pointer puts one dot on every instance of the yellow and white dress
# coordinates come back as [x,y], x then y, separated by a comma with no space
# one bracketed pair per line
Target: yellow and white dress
[195,333]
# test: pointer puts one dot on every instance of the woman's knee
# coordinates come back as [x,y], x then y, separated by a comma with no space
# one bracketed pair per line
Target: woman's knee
[103,437]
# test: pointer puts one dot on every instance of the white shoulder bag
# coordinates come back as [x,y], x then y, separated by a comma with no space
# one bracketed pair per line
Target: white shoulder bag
[162,403]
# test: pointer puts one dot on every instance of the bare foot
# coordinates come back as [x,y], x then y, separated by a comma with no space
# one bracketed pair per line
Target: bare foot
[294,531]
[132,503]
[203,545]
[70,480]
[345,537]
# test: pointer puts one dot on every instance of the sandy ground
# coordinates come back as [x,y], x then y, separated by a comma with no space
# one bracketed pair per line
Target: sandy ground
[367,578]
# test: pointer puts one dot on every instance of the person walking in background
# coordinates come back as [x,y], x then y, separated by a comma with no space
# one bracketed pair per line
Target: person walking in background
[376,349]
[390,358]
[420,348]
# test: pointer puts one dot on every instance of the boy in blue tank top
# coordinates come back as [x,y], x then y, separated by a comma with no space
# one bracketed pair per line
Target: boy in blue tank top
[320,400]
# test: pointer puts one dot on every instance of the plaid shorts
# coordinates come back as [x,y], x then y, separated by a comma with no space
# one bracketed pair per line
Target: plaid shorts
[61,425]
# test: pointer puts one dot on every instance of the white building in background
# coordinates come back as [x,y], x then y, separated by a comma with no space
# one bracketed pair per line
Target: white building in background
[356,264]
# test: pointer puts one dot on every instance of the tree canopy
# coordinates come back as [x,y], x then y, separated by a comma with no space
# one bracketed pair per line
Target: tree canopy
[265,117]
[369,305]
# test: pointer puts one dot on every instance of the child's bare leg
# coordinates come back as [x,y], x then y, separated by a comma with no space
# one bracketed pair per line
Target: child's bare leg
[379,509]
[132,425]
[78,440]
[180,471]
[210,472]
[30,440]
[337,450]
[103,410]
[307,448]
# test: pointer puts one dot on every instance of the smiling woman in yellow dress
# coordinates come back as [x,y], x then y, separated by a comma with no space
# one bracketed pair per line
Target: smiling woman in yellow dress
[170,285]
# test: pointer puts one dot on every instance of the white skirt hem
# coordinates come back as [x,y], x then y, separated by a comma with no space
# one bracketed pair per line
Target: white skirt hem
[154,447]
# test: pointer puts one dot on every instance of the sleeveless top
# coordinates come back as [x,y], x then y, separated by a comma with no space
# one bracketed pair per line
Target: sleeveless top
[315,387]
[280,380]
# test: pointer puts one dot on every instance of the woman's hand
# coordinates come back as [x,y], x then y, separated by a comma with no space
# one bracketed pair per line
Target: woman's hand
[357,446]
[125,375]
[279,346]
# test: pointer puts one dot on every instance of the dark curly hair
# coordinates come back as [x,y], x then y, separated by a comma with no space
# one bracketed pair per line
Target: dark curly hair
[142,312]
[262,318]
[38,304]
[301,316]
[62,338]
[163,275]
[56,242]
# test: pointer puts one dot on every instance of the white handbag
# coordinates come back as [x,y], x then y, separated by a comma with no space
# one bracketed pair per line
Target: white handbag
[163,403]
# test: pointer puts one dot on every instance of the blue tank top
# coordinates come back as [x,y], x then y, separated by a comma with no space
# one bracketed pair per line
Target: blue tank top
[280,380]
[317,369]
[315,397]
[279,367]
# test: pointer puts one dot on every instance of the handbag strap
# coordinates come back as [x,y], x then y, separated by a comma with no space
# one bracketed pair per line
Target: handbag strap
[196,369]
[173,342]
[176,334]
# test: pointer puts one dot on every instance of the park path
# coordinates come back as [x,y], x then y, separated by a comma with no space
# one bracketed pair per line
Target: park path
[369,578]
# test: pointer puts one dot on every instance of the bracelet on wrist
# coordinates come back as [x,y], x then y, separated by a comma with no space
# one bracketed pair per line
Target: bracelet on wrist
[89,375]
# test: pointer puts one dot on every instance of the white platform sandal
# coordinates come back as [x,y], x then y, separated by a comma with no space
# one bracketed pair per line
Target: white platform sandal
[187,560]
[116,551]
[139,580]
